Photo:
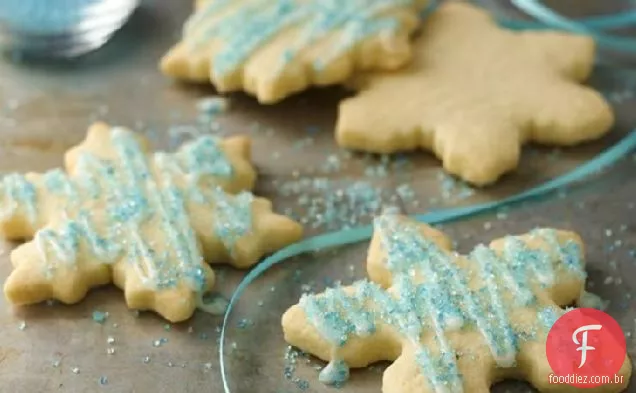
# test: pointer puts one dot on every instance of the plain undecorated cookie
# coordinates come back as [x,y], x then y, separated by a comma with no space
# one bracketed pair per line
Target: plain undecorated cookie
[146,221]
[449,323]
[273,48]
[475,93]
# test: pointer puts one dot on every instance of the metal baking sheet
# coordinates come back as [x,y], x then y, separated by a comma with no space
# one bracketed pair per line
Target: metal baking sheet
[46,109]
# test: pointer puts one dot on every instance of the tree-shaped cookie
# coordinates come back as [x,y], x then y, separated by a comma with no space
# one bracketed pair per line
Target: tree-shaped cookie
[449,323]
[273,48]
[475,93]
[146,221]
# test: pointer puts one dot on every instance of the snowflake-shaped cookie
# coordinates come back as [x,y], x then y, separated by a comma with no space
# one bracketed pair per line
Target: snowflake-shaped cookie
[273,48]
[475,93]
[146,221]
[449,323]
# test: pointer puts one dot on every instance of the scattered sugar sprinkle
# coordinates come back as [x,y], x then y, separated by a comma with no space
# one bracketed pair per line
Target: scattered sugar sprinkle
[207,366]
[22,326]
[75,370]
[110,351]
[167,327]
[291,359]
[110,340]
[323,203]
[56,363]
[103,380]
[304,143]
[453,188]
[213,105]
[244,323]
[159,342]
[146,359]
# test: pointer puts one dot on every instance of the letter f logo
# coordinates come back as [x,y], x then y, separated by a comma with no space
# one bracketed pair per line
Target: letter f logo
[583,344]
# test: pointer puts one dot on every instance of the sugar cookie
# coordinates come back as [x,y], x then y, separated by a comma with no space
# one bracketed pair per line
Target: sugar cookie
[475,93]
[145,221]
[273,48]
[449,323]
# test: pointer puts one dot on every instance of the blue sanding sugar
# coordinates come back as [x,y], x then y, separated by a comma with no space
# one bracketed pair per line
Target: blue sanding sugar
[452,188]
[100,316]
[213,105]
[324,203]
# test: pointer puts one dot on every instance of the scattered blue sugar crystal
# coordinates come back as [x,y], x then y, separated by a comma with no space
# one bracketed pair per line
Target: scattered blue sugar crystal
[244,323]
[303,143]
[405,192]
[213,105]
[159,342]
[332,164]
[103,380]
[452,188]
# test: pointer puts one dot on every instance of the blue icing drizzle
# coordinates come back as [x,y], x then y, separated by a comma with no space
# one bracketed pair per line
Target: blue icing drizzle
[232,216]
[549,315]
[57,182]
[232,213]
[334,373]
[205,157]
[432,294]
[18,193]
[568,255]
[245,26]
[136,195]
[66,240]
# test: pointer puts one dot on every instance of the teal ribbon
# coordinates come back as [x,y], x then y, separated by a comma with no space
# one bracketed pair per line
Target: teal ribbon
[593,27]
[548,18]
